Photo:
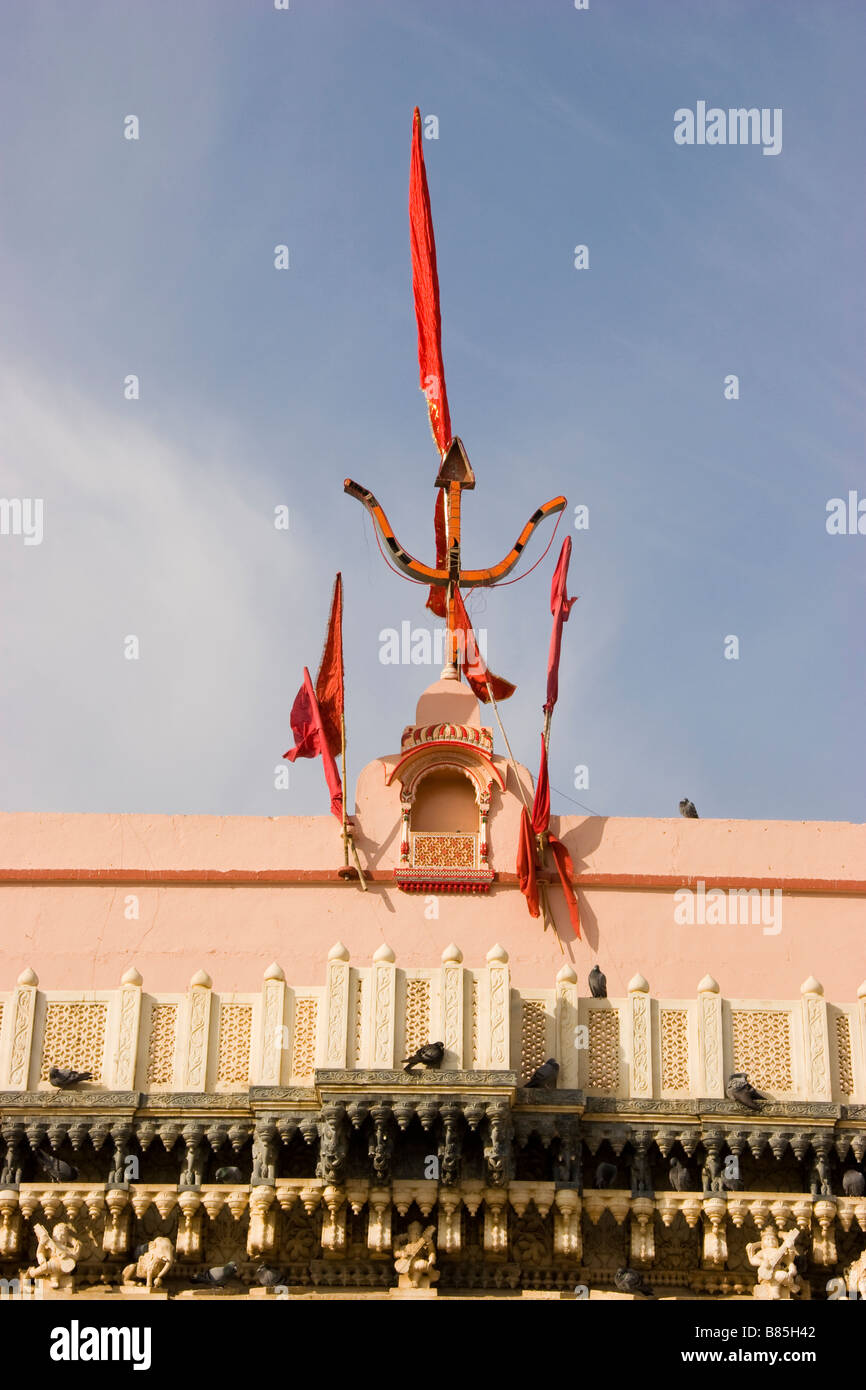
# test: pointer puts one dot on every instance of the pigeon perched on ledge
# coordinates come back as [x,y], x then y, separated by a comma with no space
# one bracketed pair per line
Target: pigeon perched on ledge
[680,1175]
[430,1054]
[268,1278]
[544,1078]
[687,808]
[605,1174]
[631,1281]
[597,983]
[216,1278]
[55,1168]
[65,1077]
[853,1183]
[228,1175]
[739,1089]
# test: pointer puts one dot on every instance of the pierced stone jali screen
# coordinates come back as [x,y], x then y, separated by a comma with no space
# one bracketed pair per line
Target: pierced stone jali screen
[603,1059]
[434,851]
[417,1020]
[762,1047]
[533,1037]
[675,1049]
[233,1057]
[304,1039]
[161,1044]
[74,1037]
[843,1054]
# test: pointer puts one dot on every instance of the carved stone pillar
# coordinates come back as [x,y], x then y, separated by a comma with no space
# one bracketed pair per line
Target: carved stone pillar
[710,1050]
[449,1237]
[566,1028]
[496,1221]
[451,992]
[10,1225]
[262,1234]
[379,1220]
[198,1031]
[128,1016]
[450,1149]
[498,1151]
[817,1039]
[121,1135]
[333,1144]
[195,1157]
[715,1247]
[499,1009]
[380,1146]
[567,1238]
[337,1007]
[824,1244]
[274,1036]
[188,1242]
[642,1233]
[264,1154]
[334,1222]
[22,1006]
[641,1041]
[115,1237]
[15,1139]
[384,984]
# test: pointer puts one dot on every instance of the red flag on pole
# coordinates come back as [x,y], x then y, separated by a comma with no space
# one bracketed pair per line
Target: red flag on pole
[329,681]
[526,865]
[474,668]
[560,607]
[540,825]
[425,286]
[311,740]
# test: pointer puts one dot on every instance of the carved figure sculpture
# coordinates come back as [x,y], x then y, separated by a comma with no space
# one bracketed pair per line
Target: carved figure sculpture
[152,1265]
[855,1277]
[775,1263]
[57,1255]
[415,1257]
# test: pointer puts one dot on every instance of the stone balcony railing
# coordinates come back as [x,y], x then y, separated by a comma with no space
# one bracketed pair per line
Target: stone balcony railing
[636,1050]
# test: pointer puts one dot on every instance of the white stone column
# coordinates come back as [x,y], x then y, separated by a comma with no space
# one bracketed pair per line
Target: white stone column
[499,1009]
[383,976]
[337,1007]
[22,1008]
[451,997]
[274,1034]
[198,1012]
[127,1023]
[641,1067]
[816,1041]
[711,1080]
[858,1045]
[567,1039]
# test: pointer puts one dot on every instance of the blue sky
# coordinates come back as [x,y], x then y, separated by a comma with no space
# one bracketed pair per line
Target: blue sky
[260,388]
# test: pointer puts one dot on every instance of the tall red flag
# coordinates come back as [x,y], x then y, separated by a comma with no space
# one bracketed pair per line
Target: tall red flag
[540,824]
[329,681]
[560,607]
[526,865]
[310,740]
[425,287]
[474,668]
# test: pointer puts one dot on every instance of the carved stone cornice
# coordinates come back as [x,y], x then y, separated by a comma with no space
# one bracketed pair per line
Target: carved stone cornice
[97,1101]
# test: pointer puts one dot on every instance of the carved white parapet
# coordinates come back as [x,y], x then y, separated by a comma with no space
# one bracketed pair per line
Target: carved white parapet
[711,1080]
[816,1038]
[198,1012]
[451,996]
[566,1026]
[641,1041]
[337,1006]
[273,1040]
[384,997]
[126,1030]
[567,1237]
[499,1009]
[22,1005]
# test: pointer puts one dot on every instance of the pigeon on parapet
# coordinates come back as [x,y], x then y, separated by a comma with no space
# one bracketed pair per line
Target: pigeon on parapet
[544,1077]
[597,983]
[218,1277]
[55,1168]
[430,1054]
[687,808]
[739,1089]
[605,1174]
[64,1077]
[631,1281]
[680,1175]
[853,1183]
[228,1175]
[268,1278]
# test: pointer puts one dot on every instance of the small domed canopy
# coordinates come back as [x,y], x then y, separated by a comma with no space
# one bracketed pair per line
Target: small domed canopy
[448,701]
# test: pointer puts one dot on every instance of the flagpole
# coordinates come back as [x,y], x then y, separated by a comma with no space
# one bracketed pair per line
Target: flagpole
[348,841]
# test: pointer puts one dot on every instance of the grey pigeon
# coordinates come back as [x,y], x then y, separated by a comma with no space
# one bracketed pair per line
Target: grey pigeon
[430,1054]
[853,1183]
[544,1077]
[680,1176]
[268,1278]
[605,1174]
[139,1250]
[631,1281]
[739,1089]
[216,1278]
[687,808]
[55,1168]
[597,983]
[229,1175]
[63,1077]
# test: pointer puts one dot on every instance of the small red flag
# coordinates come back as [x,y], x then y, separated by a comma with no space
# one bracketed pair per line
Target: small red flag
[541,804]
[329,681]
[474,668]
[526,865]
[310,740]
[540,824]
[425,287]
[560,607]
